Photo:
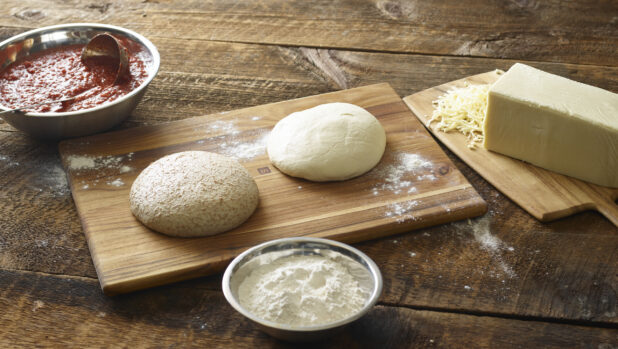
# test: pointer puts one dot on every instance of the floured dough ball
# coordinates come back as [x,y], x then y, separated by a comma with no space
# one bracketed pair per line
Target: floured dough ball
[193,193]
[330,142]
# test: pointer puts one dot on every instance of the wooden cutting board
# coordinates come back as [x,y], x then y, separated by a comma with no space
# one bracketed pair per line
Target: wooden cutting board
[415,185]
[544,194]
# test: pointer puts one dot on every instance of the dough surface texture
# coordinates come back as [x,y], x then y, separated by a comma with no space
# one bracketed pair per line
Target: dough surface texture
[192,194]
[329,142]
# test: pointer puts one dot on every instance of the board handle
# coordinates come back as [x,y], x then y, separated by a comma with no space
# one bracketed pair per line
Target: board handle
[608,207]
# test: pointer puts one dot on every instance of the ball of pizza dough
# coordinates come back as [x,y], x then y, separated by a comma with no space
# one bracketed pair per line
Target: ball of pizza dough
[193,193]
[329,142]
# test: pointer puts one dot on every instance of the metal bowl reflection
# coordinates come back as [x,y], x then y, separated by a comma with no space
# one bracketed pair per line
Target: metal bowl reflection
[361,267]
[80,122]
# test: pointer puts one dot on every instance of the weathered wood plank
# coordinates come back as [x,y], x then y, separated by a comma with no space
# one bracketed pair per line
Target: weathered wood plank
[496,265]
[39,228]
[43,310]
[582,32]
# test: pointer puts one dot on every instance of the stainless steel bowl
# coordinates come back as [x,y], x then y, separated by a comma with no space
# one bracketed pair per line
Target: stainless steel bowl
[364,270]
[81,122]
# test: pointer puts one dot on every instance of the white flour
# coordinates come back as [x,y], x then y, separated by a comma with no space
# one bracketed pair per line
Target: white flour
[77,162]
[397,177]
[85,162]
[301,290]
[225,127]
[232,142]
[402,210]
[116,182]
[400,177]
[110,164]
[492,244]
[243,150]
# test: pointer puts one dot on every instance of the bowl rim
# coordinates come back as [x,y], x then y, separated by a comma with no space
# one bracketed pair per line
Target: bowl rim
[371,301]
[156,62]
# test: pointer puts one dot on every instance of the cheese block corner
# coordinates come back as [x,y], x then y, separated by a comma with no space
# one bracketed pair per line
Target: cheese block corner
[554,123]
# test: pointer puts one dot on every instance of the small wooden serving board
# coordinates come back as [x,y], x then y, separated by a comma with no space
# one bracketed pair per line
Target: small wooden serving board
[544,194]
[415,185]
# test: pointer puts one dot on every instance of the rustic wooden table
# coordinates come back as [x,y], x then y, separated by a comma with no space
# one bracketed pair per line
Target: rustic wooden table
[501,280]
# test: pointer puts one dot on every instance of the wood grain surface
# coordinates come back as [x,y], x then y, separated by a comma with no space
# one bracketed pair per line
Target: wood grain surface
[187,315]
[529,284]
[475,28]
[544,194]
[394,197]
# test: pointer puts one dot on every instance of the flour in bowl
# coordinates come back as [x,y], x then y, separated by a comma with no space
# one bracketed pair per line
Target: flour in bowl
[302,290]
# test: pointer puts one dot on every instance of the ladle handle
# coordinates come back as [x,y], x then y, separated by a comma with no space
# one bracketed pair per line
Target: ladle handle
[18,109]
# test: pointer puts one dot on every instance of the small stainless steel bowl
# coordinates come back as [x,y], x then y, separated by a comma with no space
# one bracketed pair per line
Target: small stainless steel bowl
[364,270]
[80,122]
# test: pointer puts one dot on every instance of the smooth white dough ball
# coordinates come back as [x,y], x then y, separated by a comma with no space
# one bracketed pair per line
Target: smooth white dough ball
[329,142]
[193,193]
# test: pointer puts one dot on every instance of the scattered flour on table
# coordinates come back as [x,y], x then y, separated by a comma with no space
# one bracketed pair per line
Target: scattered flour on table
[49,180]
[7,161]
[56,180]
[491,243]
[37,305]
[301,290]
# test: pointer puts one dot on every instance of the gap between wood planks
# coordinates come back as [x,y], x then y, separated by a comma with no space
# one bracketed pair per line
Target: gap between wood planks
[593,324]
[352,49]
[44,274]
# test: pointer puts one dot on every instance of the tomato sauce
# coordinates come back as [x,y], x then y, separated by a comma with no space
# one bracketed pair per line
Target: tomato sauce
[59,73]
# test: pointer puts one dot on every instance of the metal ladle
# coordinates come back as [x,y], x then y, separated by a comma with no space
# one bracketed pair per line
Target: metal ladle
[106,45]
[101,45]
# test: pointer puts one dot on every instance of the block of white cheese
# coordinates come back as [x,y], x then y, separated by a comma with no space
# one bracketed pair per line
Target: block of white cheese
[554,123]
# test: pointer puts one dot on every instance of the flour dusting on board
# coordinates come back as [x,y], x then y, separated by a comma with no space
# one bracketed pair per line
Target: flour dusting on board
[402,211]
[105,165]
[86,162]
[116,182]
[399,177]
[232,142]
[81,162]
[243,150]
[224,127]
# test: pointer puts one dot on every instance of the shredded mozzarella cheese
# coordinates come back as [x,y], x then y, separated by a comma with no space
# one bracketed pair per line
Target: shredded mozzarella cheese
[462,109]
